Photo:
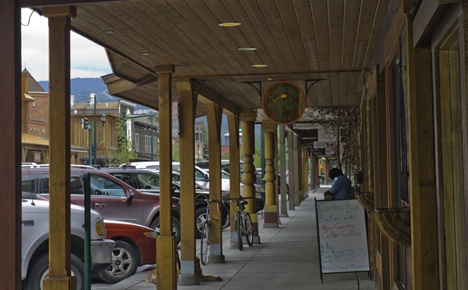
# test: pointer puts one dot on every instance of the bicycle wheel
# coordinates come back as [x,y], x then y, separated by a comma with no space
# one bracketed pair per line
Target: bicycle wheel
[239,230]
[248,229]
[204,243]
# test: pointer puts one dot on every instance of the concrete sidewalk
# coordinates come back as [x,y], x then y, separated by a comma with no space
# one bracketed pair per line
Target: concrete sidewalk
[287,258]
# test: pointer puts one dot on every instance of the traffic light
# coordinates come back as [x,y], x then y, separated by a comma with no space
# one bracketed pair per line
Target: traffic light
[85,123]
[94,150]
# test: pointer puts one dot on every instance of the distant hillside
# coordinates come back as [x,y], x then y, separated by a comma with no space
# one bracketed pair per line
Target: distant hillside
[82,87]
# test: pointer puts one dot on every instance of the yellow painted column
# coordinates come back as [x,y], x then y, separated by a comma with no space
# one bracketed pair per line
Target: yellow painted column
[284,202]
[165,242]
[187,107]
[213,113]
[59,276]
[248,118]
[234,172]
[271,217]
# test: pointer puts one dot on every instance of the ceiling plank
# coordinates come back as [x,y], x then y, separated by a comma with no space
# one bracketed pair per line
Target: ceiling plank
[47,3]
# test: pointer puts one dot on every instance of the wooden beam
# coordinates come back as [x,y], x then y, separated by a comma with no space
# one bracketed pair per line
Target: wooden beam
[120,86]
[207,95]
[48,3]
[59,173]
[11,153]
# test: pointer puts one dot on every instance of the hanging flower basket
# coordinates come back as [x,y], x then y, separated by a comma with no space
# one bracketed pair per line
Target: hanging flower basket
[395,223]
[366,199]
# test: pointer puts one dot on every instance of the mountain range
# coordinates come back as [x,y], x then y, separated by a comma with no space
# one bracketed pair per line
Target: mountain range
[82,87]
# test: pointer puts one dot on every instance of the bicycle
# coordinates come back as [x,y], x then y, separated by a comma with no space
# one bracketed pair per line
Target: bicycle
[205,233]
[243,221]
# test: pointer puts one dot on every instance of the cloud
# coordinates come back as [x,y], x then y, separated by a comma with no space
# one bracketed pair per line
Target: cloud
[87,58]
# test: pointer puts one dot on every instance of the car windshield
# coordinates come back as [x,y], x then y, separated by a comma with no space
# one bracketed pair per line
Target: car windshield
[148,181]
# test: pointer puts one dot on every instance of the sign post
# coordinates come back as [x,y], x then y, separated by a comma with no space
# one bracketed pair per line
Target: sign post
[342,236]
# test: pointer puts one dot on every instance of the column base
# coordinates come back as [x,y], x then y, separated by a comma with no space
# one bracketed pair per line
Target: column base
[186,280]
[256,240]
[270,225]
[271,217]
[216,259]
[65,283]
[233,245]
[284,215]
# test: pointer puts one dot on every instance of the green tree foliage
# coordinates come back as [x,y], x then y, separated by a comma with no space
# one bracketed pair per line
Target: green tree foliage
[206,143]
[121,154]
[258,152]
[175,152]
[225,156]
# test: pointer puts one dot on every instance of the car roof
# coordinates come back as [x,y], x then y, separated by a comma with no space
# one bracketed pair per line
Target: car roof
[128,169]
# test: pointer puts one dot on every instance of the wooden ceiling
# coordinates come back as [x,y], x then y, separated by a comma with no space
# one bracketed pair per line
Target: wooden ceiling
[298,40]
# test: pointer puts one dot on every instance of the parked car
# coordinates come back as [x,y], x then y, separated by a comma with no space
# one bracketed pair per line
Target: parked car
[201,176]
[112,197]
[135,245]
[35,242]
[147,180]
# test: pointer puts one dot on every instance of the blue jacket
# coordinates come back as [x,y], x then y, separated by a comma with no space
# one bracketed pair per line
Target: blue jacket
[341,187]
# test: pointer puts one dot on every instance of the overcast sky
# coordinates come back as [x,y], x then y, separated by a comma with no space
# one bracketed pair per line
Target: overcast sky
[88,60]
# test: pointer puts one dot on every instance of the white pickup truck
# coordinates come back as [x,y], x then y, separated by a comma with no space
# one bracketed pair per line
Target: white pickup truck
[35,243]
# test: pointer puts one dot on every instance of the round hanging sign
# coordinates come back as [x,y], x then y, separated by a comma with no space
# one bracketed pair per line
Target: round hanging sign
[283,103]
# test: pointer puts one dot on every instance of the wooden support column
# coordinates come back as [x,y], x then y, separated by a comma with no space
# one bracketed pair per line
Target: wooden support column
[284,208]
[213,113]
[187,107]
[59,143]
[305,159]
[248,118]
[380,186]
[166,241]
[11,152]
[271,218]
[234,172]
[421,163]
[297,172]
[313,172]
[291,166]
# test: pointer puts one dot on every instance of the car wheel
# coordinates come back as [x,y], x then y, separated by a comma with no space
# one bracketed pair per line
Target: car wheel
[39,270]
[175,228]
[200,217]
[124,263]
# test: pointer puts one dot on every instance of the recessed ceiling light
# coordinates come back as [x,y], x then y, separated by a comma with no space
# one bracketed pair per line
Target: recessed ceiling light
[109,31]
[247,48]
[259,65]
[230,24]
[145,53]
[270,79]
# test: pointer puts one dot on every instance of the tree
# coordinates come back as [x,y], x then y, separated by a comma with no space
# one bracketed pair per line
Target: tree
[225,156]
[206,143]
[175,152]
[121,154]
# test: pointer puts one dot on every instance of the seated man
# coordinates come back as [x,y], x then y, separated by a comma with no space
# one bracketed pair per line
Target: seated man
[341,188]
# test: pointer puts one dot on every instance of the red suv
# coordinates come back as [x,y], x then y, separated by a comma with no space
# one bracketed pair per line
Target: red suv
[113,198]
